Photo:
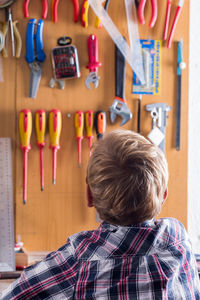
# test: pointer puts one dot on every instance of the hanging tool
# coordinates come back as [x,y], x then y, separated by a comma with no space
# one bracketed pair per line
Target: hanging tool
[7,254]
[65,62]
[79,124]
[34,57]
[44,8]
[159,121]
[94,64]
[55,10]
[25,130]
[84,14]
[154,12]
[180,66]
[89,121]
[6,4]
[119,106]
[100,123]
[139,113]
[40,127]
[55,126]
[175,21]
[132,54]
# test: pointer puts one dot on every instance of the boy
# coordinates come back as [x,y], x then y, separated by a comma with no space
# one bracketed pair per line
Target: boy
[130,256]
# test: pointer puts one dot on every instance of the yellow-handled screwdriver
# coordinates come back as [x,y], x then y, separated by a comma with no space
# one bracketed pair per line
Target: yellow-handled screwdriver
[79,124]
[55,126]
[40,127]
[89,121]
[25,130]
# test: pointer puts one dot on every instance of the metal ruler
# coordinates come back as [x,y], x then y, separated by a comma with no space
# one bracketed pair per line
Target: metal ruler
[7,253]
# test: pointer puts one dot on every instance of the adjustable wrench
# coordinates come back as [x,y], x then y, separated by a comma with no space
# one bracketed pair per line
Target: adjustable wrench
[119,106]
[159,119]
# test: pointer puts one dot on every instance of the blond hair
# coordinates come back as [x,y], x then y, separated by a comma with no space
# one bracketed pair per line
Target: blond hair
[128,177]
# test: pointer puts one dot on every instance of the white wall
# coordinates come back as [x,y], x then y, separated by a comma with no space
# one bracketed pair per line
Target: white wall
[194,128]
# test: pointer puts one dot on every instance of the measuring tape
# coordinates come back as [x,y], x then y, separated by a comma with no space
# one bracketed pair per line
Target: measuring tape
[7,254]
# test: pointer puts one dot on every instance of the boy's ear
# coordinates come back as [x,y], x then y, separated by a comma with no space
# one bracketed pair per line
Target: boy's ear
[89,197]
[165,195]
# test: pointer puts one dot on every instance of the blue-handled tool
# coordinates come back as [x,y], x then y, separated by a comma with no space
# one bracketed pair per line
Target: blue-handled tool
[180,66]
[35,55]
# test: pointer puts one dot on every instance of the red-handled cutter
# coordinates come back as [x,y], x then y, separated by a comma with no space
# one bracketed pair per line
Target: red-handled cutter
[44,8]
[175,21]
[154,12]
[55,10]
[93,64]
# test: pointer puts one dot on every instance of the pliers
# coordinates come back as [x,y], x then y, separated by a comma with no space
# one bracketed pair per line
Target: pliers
[34,57]
[154,15]
[55,10]
[44,8]
[84,14]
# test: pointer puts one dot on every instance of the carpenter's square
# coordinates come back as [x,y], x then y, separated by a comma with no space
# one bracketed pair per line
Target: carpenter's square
[180,66]
[159,121]
[119,106]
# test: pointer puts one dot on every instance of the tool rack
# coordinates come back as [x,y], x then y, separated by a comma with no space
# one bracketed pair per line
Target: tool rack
[49,217]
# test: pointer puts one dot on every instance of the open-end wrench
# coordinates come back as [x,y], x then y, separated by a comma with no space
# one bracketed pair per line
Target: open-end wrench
[94,64]
[119,106]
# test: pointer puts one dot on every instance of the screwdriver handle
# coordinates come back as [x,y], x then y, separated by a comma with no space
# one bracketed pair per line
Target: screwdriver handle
[89,121]
[79,124]
[55,125]
[100,123]
[25,128]
[40,127]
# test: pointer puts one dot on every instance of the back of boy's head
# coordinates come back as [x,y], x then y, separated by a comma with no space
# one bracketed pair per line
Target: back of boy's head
[128,177]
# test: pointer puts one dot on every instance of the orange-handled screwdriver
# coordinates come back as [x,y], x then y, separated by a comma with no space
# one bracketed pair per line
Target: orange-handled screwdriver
[25,130]
[40,127]
[79,124]
[55,126]
[89,121]
[100,123]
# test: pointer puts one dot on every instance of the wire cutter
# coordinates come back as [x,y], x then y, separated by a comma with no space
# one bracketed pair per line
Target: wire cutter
[34,57]
[84,14]
[154,15]
[44,8]
[175,21]
[55,10]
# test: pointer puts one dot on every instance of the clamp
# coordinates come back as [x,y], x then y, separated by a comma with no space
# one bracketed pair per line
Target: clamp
[34,57]
[159,122]
[44,8]
[119,106]
[55,10]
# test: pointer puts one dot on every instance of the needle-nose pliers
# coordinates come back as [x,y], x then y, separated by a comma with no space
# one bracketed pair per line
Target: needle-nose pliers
[55,8]
[44,8]
[141,7]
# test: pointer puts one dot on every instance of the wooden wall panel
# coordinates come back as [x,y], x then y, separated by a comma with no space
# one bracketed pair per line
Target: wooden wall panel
[59,211]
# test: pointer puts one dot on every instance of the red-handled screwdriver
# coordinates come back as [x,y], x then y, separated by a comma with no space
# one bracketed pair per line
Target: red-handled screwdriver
[25,130]
[79,123]
[55,125]
[40,126]
[89,120]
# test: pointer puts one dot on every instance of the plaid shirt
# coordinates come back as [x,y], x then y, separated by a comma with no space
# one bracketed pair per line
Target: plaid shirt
[152,260]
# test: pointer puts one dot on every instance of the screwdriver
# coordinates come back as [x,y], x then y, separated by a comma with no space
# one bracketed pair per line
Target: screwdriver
[25,129]
[55,125]
[40,127]
[89,121]
[79,120]
[100,123]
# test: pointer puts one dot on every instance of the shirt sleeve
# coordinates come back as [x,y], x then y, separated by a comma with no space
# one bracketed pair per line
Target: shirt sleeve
[55,276]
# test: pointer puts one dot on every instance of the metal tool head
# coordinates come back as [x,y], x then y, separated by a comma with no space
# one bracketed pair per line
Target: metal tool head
[92,78]
[120,108]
